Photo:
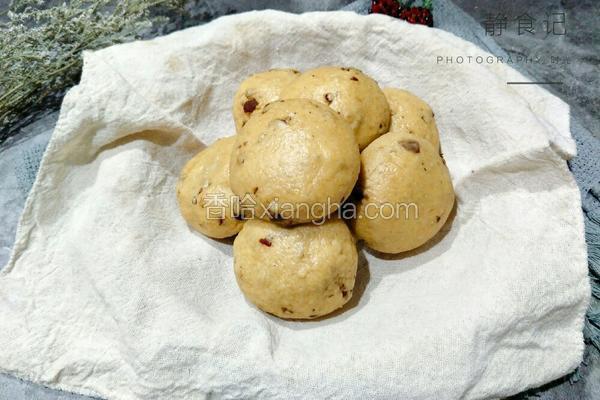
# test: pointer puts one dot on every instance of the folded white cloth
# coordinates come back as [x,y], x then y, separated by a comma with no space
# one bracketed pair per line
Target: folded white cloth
[109,293]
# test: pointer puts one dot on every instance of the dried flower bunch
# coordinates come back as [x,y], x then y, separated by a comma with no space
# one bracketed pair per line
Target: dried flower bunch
[41,45]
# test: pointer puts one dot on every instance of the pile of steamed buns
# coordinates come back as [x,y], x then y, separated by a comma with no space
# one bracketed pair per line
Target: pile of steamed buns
[308,145]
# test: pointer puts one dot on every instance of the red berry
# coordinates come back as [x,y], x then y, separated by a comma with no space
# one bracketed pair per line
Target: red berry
[376,9]
[417,15]
[388,7]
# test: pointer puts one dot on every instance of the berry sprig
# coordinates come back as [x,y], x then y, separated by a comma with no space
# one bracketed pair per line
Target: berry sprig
[403,10]
[387,7]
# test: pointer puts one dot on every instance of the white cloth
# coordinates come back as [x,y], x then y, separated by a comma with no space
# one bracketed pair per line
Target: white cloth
[109,293]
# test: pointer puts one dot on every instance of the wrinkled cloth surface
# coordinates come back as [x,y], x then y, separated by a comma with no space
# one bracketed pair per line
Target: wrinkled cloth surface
[109,293]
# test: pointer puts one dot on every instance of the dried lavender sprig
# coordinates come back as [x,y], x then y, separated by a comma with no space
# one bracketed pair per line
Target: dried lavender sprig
[40,46]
